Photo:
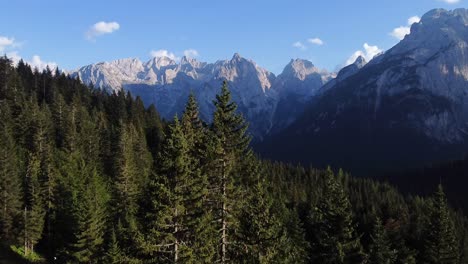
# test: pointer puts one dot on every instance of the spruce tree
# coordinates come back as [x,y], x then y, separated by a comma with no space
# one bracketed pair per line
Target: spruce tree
[10,181]
[293,247]
[90,215]
[156,240]
[260,229]
[113,254]
[175,208]
[441,244]
[34,212]
[129,175]
[380,249]
[201,231]
[174,162]
[43,149]
[334,238]
[227,145]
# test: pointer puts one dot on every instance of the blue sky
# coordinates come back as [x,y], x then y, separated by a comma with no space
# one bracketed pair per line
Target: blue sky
[328,33]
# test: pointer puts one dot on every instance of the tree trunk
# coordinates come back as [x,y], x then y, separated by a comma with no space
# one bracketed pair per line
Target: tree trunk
[25,232]
[176,242]
[224,225]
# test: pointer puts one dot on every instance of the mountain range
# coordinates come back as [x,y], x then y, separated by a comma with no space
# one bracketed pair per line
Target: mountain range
[262,97]
[407,106]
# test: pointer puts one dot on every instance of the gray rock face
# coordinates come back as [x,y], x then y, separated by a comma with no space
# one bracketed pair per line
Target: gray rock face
[167,84]
[296,85]
[434,60]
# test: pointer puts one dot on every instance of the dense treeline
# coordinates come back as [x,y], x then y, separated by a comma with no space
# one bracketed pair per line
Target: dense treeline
[453,175]
[88,177]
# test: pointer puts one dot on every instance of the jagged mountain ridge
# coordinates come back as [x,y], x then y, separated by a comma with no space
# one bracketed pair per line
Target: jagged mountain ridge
[406,107]
[258,92]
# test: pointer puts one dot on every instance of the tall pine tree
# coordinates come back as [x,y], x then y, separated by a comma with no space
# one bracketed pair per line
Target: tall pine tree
[227,145]
[335,239]
[10,181]
[441,246]
[380,249]
[34,212]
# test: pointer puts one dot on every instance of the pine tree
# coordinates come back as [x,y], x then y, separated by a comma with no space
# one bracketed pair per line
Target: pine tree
[113,254]
[334,239]
[34,212]
[198,220]
[380,248]
[441,245]
[154,130]
[174,162]
[227,144]
[90,214]
[176,209]
[156,240]
[260,229]
[43,148]
[293,247]
[127,183]
[10,182]
[59,117]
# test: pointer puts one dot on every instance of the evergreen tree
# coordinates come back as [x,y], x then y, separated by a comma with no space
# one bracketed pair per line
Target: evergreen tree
[154,130]
[441,246]
[90,217]
[156,240]
[59,117]
[113,254]
[34,213]
[174,162]
[200,228]
[380,248]
[176,207]
[131,173]
[259,227]
[334,239]
[10,182]
[227,144]
[43,148]
[293,247]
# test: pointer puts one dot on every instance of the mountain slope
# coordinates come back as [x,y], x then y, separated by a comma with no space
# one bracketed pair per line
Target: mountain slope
[406,107]
[260,95]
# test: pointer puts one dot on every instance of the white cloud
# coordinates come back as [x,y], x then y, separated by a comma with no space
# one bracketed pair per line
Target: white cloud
[368,53]
[14,57]
[35,62]
[191,53]
[450,1]
[413,19]
[6,42]
[316,41]
[299,45]
[101,28]
[163,53]
[400,32]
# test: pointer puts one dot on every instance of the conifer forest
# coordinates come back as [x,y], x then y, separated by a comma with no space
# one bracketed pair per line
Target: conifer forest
[88,176]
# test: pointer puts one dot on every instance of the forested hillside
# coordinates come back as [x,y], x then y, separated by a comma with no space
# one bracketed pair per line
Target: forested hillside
[91,177]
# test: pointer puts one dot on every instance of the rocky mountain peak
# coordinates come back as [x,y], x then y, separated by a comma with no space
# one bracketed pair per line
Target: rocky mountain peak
[360,62]
[236,57]
[299,68]
[160,62]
